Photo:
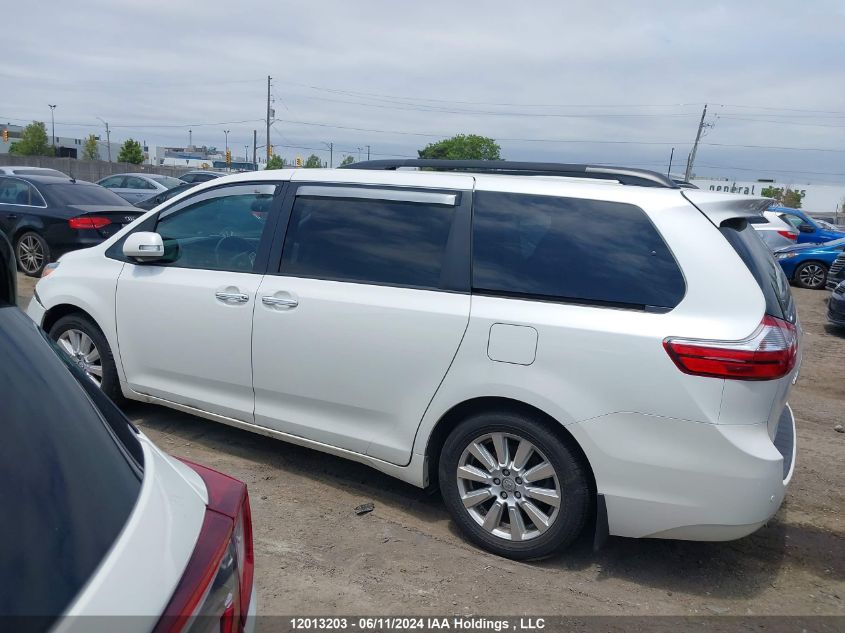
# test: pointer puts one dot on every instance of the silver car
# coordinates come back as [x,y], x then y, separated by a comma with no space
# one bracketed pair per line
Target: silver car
[138,187]
[26,170]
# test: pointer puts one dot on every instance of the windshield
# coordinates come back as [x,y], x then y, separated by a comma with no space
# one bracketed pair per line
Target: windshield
[83,193]
[167,181]
[70,473]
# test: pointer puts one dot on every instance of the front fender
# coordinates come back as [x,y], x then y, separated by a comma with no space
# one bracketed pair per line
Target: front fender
[89,286]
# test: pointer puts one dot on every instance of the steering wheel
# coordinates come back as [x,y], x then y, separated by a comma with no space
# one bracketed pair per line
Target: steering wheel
[236,252]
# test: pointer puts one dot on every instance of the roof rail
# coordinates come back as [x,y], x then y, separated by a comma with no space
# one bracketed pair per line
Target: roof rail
[623,175]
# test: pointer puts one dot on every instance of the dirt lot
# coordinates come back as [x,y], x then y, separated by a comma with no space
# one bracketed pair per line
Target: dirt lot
[315,556]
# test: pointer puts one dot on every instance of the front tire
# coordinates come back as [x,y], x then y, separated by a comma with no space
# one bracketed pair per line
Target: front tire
[32,253]
[512,486]
[812,275]
[86,346]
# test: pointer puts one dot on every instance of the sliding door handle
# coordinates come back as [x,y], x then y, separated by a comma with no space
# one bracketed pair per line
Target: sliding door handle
[279,302]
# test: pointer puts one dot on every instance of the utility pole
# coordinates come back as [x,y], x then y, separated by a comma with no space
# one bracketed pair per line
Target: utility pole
[331,153]
[226,132]
[368,152]
[671,156]
[108,137]
[359,154]
[268,117]
[53,125]
[255,148]
[246,153]
[691,161]
[190,139]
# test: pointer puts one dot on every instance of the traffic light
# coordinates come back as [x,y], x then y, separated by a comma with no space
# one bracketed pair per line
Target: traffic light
[298,161]
[5,135]
[228,157]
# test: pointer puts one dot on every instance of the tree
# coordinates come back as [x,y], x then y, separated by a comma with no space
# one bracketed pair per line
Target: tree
[130,152]
[786,197]
[313,161]
[90,151]
[33,141]
[275,162]
[347,160]
[463,147]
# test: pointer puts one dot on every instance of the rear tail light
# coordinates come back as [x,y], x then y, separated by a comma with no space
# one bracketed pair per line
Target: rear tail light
[88,222]
[217,582]
[769,353]
[789,235]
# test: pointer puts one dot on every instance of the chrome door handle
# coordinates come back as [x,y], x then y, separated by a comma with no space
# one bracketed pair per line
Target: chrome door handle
[232,297]
[276,302]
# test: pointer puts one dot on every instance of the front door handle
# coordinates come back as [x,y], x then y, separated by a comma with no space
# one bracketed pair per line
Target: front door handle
[232,297]
[11,216]
[279,302]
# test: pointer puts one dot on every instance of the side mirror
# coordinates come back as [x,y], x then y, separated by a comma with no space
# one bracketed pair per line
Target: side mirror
[144,246]
[806,228]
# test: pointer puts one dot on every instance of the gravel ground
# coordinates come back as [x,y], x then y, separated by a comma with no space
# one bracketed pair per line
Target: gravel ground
[314,555]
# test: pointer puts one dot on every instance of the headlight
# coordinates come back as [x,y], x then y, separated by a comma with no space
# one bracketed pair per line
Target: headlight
[49,269]
[785,255]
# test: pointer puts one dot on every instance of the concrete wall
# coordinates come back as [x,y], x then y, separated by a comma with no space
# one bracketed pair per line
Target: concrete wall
[91,170]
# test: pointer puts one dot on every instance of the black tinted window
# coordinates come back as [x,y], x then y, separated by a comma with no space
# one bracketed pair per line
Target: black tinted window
[366,240]
[571,249]
[760,261]
[67,475]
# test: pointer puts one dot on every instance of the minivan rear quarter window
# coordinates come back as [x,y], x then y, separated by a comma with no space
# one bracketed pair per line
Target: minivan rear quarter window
[573,250]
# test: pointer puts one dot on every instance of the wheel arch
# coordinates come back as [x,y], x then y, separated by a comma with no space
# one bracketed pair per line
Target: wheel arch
[461,411]
[52,315]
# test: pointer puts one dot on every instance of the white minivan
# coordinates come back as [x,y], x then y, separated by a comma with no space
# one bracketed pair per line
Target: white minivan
[552,345]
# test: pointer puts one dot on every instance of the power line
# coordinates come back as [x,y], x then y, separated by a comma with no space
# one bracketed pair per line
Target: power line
[559,140]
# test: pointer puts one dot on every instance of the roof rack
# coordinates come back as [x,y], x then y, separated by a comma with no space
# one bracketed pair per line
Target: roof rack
[623,175]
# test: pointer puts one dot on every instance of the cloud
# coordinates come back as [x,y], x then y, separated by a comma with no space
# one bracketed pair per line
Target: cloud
[611,72]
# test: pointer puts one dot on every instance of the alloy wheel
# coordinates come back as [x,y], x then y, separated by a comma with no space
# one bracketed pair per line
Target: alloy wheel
[30,254]
[81,350]
[508,486]
[812,275]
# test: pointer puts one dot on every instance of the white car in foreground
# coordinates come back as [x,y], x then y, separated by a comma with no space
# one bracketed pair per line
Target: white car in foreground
[97,520]
[547,343]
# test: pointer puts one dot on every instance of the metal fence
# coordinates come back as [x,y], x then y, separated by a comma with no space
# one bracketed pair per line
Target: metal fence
[91,170]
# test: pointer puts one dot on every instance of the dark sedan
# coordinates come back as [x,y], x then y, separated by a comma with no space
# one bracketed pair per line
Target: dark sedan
[45,217]
[836,306]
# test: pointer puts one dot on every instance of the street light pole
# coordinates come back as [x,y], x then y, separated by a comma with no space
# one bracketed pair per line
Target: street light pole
[226,132]
[108,137]
[53,125]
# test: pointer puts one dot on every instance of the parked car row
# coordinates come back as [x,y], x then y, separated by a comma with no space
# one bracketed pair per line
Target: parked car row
[105,523]
[428,324]
[45,213]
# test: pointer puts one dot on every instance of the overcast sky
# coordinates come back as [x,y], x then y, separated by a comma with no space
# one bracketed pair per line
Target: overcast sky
[613,82]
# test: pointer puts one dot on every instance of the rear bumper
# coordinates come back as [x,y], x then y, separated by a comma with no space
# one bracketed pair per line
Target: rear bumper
[669,478]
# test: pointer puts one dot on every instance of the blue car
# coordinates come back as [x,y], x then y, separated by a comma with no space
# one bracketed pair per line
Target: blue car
[807,264]
[809,231]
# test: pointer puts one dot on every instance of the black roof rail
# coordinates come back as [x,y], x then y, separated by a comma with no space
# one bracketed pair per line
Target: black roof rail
[623,175]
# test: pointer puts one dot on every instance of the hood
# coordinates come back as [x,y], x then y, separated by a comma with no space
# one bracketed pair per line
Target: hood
[801,248]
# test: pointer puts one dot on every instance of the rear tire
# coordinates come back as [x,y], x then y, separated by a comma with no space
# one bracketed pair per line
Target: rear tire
[31,253]
[812,275]
[522,493]
[86,346]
